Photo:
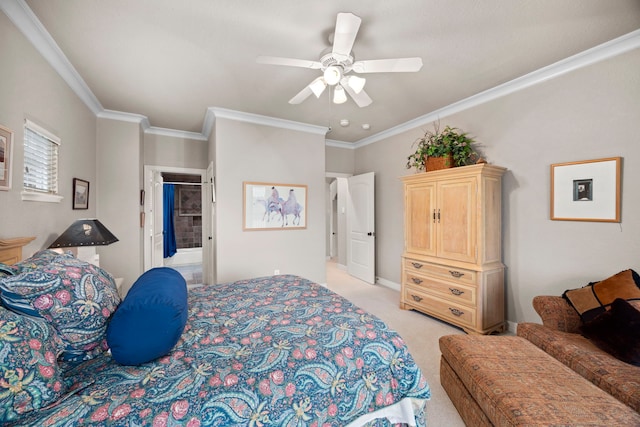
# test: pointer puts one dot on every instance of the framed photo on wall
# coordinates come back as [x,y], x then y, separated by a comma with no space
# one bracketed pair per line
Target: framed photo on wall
[80,194]
[270,206]
[587,190]
[6,142]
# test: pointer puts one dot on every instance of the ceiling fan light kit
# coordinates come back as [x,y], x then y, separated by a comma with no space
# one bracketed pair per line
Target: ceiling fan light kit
[317,86]
[336,64]
[339,97]
[356,83]
[332,75]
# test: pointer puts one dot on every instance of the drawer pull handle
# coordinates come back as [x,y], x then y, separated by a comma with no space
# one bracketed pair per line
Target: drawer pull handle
[456,274]
[456,292]
[416,280]
[416,298]
[416,265]
[456,312]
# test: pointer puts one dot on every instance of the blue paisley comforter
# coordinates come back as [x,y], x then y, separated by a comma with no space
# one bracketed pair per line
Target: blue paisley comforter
[273,351]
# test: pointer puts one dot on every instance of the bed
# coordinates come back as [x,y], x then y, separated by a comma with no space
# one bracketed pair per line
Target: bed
[276,350]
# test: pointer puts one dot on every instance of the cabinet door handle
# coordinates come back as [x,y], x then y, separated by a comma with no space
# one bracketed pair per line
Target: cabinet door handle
[438,216]
[416,265]
[456,292]
[434,216]
[456,312]
[416,280]
[416,298]
[456,274]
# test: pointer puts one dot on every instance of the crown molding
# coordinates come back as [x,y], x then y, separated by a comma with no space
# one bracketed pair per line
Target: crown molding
[258,119]
[340,144]
[26,21]
[124,117]
[615,47]
[143,121]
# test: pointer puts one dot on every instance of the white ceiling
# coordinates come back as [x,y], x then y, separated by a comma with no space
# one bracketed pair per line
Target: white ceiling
[170,60]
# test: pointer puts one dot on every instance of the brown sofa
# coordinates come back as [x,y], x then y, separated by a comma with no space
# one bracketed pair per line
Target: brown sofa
[560,337]
[547,375]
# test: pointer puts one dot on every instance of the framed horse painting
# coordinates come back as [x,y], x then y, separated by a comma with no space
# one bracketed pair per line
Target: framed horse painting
[270,206]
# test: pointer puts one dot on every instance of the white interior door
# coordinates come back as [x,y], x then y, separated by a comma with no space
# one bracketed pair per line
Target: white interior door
[208,210]
[157,220]
[152,209]
[361,243]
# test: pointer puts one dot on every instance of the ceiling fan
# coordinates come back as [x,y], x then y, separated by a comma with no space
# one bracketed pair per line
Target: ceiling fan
[339,62]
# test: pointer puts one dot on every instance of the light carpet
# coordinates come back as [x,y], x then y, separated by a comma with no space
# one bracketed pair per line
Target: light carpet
[420,332]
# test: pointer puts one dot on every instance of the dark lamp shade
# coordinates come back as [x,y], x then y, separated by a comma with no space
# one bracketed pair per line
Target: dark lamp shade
[84,232]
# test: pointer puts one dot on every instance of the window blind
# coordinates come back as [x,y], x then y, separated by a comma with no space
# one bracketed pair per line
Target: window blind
[40,159]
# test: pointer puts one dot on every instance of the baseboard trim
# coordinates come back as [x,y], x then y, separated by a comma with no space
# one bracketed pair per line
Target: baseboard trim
[388,283]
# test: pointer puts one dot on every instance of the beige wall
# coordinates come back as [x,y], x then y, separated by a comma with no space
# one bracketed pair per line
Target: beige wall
[251,152]
[162,150]
[586,114]
[119,183]
[339,160]
[30,88]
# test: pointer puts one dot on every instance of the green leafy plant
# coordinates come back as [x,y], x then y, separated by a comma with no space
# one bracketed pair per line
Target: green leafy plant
[440,144]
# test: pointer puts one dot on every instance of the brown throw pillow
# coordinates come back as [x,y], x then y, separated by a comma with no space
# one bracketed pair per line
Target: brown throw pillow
[595,298]
[617,332]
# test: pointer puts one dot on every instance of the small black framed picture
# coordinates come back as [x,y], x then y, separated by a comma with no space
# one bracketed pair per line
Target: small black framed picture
[583,190]
[80,194]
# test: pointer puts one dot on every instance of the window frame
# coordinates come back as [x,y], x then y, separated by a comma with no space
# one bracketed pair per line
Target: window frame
[30,194]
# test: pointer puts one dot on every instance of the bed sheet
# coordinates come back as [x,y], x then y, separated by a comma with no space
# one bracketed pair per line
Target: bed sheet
[277,350]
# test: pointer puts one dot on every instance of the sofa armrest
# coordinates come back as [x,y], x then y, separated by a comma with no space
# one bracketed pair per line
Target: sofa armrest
[556,313]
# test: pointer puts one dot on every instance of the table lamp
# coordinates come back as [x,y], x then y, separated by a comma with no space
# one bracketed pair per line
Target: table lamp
[84,235]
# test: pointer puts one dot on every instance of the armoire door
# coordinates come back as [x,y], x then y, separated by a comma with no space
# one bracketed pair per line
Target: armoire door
[420,207]
[456,219]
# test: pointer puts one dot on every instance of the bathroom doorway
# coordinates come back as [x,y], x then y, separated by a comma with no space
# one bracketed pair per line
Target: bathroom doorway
[183,238]
[174,204]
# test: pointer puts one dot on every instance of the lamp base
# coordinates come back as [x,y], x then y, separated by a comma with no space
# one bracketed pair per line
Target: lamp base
[88,254]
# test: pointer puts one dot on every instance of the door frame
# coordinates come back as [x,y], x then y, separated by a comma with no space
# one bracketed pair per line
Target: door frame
[340,231]
[149,171]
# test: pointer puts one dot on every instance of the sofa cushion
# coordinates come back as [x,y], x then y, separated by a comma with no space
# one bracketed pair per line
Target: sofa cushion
[151,319]
[614,376]
[556,313]
[30,378]
[617,331]
[595,298]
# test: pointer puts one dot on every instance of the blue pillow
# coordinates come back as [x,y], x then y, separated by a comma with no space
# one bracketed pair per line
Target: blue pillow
[150,319]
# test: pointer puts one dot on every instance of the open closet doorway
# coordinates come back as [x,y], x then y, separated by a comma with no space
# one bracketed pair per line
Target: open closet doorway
[176,219]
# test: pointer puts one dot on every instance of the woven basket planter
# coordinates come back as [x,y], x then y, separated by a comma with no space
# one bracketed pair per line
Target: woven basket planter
[437,163]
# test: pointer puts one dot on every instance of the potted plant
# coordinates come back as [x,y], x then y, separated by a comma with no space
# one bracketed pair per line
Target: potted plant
[452,146]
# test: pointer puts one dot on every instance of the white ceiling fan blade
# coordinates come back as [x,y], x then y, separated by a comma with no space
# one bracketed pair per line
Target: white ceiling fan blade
[302,95]
[347,26]
[361,98]
[290,62]
[397,65]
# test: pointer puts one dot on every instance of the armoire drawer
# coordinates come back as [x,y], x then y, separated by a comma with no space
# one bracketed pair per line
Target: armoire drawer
[450,291]
[450,273]
[456,313]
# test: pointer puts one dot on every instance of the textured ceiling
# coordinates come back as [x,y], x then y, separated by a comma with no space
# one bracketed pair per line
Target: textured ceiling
[170,60]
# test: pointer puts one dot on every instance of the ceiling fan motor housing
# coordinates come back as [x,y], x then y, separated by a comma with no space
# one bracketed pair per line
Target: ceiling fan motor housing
[332,59]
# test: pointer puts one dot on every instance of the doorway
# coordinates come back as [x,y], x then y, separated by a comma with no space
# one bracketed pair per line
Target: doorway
[178,196]
[350,223]
[182,211]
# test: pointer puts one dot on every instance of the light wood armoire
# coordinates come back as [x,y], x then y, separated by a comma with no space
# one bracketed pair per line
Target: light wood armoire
[451,265]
